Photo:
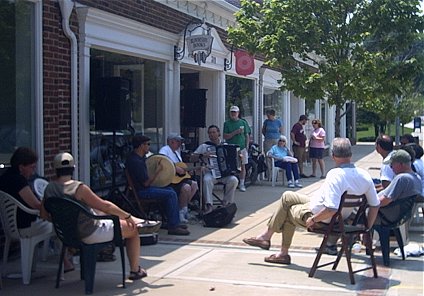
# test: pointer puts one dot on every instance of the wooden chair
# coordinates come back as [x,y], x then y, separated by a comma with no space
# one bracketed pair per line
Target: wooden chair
[65,214]
[142,206]
[348,233]
[400,213]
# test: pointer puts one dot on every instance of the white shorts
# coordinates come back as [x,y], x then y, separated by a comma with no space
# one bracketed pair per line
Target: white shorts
[104,233]
[245,156]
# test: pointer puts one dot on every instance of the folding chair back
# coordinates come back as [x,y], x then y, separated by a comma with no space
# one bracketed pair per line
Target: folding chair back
[142,206]
[348,232]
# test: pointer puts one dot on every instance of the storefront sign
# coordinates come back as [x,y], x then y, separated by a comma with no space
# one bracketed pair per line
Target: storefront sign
[198,43]
[245,63]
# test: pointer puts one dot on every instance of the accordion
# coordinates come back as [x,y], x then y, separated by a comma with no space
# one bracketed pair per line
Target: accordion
[226,162]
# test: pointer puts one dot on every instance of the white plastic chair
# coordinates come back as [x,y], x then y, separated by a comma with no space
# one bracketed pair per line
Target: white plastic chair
[39,187]
[275,170]
[41,231]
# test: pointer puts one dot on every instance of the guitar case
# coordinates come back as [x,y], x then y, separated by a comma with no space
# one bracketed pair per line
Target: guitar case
[221,216]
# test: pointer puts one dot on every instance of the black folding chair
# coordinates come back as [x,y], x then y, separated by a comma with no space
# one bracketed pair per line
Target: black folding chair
[348,233]
[65,215]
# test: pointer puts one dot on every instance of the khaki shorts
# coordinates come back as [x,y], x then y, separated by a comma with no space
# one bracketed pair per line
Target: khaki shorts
[245,156]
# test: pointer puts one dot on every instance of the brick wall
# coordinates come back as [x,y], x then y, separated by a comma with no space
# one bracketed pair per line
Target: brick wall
[56,84]
[57,61]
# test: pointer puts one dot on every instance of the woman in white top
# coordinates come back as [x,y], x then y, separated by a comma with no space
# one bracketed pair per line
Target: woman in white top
[316,148]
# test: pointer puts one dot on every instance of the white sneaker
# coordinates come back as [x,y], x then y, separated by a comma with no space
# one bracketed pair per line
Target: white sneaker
[298,184]
[290,184]
[242,188]
[182,217]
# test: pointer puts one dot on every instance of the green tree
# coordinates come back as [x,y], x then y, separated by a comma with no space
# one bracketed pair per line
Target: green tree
[341,50]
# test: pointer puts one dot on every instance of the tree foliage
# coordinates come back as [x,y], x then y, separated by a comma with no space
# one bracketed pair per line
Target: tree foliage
[339,50]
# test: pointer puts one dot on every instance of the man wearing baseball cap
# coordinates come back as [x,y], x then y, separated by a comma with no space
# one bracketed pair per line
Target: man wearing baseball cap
[185,186]
[236,131]
[405,183]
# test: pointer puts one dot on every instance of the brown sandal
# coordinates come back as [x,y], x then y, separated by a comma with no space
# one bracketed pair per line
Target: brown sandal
[253,241]
[279,260]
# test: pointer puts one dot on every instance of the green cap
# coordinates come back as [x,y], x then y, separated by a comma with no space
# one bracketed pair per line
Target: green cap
[399,156]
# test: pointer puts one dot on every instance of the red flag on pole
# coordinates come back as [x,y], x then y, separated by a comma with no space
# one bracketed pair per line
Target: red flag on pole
[245,63]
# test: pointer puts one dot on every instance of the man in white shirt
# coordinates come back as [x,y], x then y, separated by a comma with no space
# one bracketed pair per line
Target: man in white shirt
[297,209]
[202,153]
[185,187]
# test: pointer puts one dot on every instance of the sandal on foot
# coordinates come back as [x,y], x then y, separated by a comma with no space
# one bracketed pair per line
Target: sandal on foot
[279,260]
[139,274]
[253,241]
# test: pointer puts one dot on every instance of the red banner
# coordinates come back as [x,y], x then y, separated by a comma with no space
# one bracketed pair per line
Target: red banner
[245,63]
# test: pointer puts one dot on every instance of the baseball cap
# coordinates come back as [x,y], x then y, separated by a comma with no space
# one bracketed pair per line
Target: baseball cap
[303,117]
[139,139]
[234,109]
[399,156]
[63,160]
[175,136]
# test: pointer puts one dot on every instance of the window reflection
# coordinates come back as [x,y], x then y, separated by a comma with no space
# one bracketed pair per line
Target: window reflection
[239,92]
[17,60]
[140,89]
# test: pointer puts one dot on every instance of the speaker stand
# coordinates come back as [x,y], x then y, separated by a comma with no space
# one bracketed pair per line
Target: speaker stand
[114,191]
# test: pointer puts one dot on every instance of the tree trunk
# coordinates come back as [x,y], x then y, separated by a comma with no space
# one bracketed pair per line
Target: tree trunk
[337,122]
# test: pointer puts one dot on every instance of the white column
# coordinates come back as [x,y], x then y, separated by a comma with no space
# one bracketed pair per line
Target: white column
[172,100]
[84,100]
[260,108]
[317,107]
[219,106]
[288,120]
[330,129]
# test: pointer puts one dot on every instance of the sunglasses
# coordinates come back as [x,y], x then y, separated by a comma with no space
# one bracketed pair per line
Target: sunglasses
[148,144]
[314,122]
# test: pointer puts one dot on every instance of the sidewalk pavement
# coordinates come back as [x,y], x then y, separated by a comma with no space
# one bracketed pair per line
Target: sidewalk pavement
[216,261]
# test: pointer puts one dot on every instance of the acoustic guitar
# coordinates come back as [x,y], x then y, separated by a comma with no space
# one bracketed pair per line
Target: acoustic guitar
[178,178]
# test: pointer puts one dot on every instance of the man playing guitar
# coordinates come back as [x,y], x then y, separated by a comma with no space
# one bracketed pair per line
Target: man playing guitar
[182,183]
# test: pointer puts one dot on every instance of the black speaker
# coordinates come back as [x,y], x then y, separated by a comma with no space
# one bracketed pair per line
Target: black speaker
[112,103]
[193,103]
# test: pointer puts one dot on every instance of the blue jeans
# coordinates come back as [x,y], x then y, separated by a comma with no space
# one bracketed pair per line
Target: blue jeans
[170,199]
[289,167]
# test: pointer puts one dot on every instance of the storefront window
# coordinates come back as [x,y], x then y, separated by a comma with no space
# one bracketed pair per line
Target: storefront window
[17,75]
[126,98]
[240,92]
[273,99]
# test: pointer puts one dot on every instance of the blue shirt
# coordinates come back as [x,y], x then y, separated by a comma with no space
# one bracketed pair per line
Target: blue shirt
[279,152]
[272,129]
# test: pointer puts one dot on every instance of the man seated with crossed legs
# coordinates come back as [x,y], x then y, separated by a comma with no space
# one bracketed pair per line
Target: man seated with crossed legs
[297,209]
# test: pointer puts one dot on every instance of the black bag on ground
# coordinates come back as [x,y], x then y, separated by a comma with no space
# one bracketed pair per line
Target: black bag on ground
[220,216]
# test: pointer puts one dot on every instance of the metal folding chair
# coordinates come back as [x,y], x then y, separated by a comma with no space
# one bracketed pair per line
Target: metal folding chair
[348,233]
